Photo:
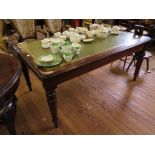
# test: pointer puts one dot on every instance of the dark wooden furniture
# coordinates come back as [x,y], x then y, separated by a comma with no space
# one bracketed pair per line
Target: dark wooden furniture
[128,23]
[9,80]
[93,55]
[138,32]
[55,25]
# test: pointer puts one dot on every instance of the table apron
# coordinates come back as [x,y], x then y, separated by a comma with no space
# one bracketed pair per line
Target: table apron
[77,71]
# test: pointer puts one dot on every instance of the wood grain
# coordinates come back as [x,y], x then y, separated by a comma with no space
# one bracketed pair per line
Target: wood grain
[104,101]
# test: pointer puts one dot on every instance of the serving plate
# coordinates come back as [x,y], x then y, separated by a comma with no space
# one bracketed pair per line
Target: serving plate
[56,61]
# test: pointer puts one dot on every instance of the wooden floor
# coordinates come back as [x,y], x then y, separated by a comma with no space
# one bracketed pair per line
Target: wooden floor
[104,101]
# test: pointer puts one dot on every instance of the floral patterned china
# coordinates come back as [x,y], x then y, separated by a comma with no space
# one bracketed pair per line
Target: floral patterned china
[76,48]
[49,60]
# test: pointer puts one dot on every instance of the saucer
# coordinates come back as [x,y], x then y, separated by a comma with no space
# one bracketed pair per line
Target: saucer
[88,40]
[115,32]
[54,61]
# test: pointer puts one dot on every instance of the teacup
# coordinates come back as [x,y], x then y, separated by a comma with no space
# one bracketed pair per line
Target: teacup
[57,41]
[71,33]
[93,32]
[65,33]
[78,29]
[71,29]
[45,43]
[67,58]
[94,26]
[104,34]
[67,55]
[82,36]
[67,47]
[75,38]
[84,30]
[63,37]
[54,48]
[104,29]
[115,30]
[57,34]
[89,34]
[76,47]
[50,40]
[101,34]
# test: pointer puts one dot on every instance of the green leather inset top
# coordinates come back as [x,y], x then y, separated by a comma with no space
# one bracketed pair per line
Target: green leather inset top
[87,50]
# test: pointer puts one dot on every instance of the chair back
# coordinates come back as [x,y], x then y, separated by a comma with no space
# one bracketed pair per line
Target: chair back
[87,22]
[24,27]
[152,32]
[54,25]
[138,30]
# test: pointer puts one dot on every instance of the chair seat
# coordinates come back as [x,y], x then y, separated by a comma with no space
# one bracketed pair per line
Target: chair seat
[147,55]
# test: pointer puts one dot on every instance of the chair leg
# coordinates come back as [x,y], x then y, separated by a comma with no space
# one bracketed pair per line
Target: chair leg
[134,62]
[147,66]
[133,59]
[10,123]
[124,63]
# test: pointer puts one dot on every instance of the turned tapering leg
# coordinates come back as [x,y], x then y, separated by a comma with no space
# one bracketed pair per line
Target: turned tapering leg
[51,99]
[26,75]
[52,103]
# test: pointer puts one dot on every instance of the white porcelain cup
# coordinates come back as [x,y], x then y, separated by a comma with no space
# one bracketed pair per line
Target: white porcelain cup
[57,34]
[54,49]
[66,47]
[89,34]
[67,58]
[71,29]
[75,38]
[76,48]
[57,41]
[115,29]
[45,43]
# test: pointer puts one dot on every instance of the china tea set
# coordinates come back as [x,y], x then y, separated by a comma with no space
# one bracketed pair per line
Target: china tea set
[67,43]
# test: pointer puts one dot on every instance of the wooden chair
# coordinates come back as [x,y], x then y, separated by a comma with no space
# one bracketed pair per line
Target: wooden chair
[55,25]
[152,33]
[138,31]
[87,22]
[26,29]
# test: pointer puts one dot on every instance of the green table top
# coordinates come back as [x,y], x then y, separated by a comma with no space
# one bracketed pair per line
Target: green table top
[98,46]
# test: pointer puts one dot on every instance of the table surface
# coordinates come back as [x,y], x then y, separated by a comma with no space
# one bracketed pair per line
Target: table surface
[9,72]
[92,55]
[92,51]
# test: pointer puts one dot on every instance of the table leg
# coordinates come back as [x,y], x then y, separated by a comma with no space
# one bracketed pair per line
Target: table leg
[52,103]
[26,75]
[139,56]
